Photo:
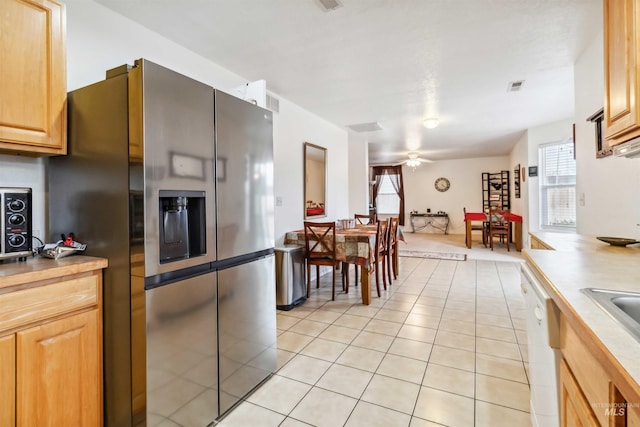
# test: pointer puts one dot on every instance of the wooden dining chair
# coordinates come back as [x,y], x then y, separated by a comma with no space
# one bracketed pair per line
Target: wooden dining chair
[500,226]
[320,244]
[392,247]
[380,253]
[477,227]
[364,219]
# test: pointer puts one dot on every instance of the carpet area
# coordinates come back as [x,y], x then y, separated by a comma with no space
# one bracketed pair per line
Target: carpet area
[434,255]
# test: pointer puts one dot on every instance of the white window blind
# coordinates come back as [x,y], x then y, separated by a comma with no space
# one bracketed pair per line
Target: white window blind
[557,186]
[388,201]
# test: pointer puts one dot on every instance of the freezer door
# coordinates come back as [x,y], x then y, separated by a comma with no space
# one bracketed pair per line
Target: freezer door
[182,366]
[171,115]
[247,328]
[244,151]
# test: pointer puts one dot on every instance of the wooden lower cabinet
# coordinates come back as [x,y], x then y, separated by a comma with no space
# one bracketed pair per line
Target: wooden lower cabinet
[51,345]
[7,380]
[633,415]
[538,244]
[59,374]
[575,411]
[591,390]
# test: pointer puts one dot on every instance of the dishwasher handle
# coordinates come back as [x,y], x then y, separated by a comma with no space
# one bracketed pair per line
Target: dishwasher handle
[545,309]
[539,314]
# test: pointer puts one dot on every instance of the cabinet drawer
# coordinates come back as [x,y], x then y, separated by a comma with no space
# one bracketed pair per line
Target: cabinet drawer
[41,302]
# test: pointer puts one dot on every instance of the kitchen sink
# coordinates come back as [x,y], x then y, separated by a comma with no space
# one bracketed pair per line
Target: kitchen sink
[624,307]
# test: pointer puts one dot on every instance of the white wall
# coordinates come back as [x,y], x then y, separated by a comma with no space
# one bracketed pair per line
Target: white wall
[358,174]
[520,156]
[610,185]
[99,39]
[544,134]
[465,176]
[291,129]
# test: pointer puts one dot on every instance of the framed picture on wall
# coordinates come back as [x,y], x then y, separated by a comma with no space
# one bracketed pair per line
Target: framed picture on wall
[516,181]
[533,171]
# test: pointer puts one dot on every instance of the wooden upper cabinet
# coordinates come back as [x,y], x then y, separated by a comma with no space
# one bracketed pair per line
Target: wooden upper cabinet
[621,60]
[33,86]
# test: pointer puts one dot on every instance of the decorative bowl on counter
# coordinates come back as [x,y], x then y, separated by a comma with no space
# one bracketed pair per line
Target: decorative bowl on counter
[618,241]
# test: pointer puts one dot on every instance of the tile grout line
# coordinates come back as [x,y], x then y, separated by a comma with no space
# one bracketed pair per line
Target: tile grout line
[395,337]
[332,364]
[475,355]
[514,328]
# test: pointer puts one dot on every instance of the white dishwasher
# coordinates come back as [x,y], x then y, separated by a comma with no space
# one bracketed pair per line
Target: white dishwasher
[543,336]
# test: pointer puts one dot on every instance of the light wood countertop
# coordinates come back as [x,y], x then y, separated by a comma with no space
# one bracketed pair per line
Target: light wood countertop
[584,262]
[39,268]
[580,242]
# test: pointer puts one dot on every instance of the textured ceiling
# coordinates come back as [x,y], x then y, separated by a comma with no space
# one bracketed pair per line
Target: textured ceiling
[397,62]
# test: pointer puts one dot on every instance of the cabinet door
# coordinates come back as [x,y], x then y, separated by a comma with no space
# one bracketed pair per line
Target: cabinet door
[633,415]
[59,372]
[7,380]
[535,243]
[33,76]
[575,411]
[621,119]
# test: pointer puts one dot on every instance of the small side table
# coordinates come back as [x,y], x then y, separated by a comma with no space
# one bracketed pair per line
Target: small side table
[439,221]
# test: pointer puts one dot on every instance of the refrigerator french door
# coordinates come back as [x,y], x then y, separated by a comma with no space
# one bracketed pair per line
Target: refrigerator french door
[246,337]
[245,260]
[182,378]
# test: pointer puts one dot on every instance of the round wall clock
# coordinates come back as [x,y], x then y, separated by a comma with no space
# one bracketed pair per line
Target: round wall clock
[442,184]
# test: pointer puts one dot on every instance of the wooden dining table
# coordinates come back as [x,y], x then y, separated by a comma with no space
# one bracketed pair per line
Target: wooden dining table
[515,219]
[353,246]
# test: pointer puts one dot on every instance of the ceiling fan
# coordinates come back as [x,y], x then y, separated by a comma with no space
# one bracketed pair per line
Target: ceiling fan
[414,161]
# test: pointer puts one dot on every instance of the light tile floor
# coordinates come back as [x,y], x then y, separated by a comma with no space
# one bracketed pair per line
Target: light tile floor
[445,344]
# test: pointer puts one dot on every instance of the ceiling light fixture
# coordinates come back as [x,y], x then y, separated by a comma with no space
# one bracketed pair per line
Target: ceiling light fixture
[413,161]
[431,123]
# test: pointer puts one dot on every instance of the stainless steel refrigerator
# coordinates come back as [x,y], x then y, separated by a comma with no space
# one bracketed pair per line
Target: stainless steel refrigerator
[184,215]
[246,269]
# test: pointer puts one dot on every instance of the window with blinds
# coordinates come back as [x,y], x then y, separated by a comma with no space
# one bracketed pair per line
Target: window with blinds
[557,180]
[388,201]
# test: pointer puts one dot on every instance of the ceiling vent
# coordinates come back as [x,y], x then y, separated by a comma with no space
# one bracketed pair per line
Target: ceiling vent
[273,104]
[328,5]
[515,86]
[365,127]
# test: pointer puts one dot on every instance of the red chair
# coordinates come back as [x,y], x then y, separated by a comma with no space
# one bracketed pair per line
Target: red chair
[499,225]
[320,243]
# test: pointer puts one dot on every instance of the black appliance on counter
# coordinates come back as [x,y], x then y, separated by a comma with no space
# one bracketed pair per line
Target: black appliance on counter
[16,222]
